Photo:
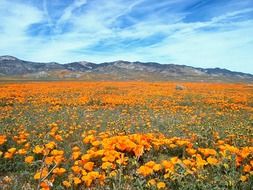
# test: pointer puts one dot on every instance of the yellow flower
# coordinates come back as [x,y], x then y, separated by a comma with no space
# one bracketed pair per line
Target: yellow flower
[122,160]
[168,165]
[167,175]
[44,186]
[45,151]
[77,180]
[22,151]
[41,174]
[160,185]
[85,157]
[226,166]
[76,169]
[8,155]
[2,139]
[27,145]
[49,160]
[181,142]
[173,146]
[75,155]
[207,151]
[157,167]
[150,164]
[66,184]
[145,171]
[138,150]
[174,160]
[93,174]
[59,171]
[187,162]
[89,166]
[191,151]
[200,161]
[88,139]
[113,173]
[75,149]
[12,150]
[58,138]
[95,143]
[243,178]
[38,149]
[87,180]
[29,159]
[58,159]
[212,160]
[57,152]
[50,145]
[247,168]
[106,165]
[83,172]
[245,152]
[151,182]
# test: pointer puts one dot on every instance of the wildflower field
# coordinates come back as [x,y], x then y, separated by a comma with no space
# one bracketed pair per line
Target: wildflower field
[126,135]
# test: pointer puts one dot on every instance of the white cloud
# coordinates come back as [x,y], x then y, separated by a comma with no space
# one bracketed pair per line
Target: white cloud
[227,44]
[14,23]
[223,49]
[67,13]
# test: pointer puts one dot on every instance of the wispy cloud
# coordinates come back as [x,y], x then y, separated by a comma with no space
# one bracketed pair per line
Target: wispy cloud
[191,32]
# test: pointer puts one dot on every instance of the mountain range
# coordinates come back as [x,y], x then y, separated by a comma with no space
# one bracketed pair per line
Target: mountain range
[13,68]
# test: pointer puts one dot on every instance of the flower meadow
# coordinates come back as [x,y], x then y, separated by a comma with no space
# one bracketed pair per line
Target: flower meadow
[126,135]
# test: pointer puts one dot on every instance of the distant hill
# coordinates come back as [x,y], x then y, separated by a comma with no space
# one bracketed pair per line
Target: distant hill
[14,68]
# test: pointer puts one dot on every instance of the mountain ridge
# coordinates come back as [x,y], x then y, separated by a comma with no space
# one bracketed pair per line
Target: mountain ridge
[11,66]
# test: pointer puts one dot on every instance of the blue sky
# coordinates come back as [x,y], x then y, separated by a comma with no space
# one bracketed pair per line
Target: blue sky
[200,33]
